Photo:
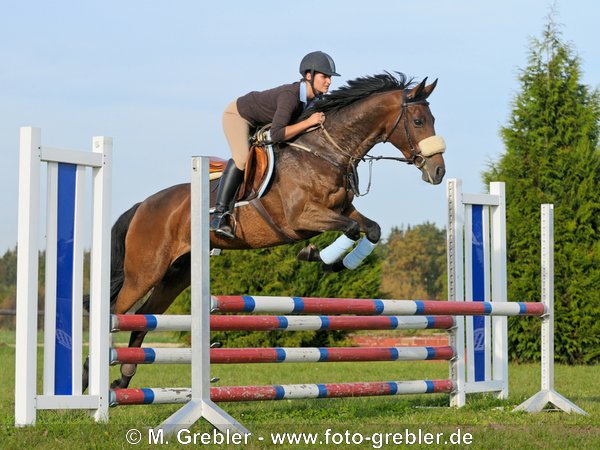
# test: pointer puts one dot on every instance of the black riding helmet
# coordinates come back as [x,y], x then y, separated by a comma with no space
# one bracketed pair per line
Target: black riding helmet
[318,62]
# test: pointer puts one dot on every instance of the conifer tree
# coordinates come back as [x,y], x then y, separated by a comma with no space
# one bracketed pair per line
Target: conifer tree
[415,263]
[552,156]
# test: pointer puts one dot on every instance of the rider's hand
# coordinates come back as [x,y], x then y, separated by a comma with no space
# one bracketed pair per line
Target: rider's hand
[316,118]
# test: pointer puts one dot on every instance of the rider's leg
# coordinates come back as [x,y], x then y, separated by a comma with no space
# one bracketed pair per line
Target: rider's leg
[236,130]
[228,186]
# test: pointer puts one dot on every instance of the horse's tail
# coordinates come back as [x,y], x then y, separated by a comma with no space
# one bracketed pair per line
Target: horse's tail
[117,251]
[117,255]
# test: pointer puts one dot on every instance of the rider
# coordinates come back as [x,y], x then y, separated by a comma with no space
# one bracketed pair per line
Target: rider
[280,106]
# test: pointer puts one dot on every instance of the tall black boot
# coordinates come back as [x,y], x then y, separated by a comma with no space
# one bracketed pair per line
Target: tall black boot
[228,185]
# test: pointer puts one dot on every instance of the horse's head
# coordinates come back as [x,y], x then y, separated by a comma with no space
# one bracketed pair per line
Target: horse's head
[411,129]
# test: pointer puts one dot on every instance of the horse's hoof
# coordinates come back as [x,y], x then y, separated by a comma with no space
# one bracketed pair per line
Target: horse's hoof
[309,253]
[337,266]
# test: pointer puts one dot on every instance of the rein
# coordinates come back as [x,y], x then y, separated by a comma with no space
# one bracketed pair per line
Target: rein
[417,159]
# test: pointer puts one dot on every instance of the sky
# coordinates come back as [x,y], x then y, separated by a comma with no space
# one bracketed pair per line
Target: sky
[155,76]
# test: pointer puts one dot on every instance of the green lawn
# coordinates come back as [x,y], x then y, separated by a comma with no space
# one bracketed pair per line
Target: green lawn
[490,421]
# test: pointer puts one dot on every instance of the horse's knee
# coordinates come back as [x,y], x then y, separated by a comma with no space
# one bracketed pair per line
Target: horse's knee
[353,231]
[128,370]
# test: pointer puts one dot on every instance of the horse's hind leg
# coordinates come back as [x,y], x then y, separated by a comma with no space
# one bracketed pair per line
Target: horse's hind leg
[129,294]
[174,282]
[309,253]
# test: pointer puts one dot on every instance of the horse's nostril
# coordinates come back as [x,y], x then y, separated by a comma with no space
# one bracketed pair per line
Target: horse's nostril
[440,172]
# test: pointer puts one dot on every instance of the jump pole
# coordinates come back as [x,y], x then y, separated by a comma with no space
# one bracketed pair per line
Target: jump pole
[547,395]
[200,404]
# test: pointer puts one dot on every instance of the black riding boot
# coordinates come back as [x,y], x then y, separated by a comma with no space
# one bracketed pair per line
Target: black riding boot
[228,185]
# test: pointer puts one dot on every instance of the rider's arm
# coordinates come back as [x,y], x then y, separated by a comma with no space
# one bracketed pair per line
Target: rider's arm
[281,129]
[295,129]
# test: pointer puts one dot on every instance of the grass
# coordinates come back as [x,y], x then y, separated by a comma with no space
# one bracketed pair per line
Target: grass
[490,421]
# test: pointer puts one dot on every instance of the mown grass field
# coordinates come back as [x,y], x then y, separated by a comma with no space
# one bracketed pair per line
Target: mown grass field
[490,421]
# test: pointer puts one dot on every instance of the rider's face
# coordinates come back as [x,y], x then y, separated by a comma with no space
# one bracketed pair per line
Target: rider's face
[321,82]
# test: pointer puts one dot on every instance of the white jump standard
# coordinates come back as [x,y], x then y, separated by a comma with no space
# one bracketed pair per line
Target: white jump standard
[63,342]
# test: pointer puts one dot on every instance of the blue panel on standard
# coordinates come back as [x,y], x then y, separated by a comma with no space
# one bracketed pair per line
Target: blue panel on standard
[63,369]
[478,268]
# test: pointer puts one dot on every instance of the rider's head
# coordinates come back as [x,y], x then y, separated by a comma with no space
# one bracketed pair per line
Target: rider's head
[317,68]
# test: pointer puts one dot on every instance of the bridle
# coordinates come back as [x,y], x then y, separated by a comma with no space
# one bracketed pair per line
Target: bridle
[416,158]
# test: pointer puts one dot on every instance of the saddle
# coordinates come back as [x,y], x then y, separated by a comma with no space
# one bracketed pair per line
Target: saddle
[257,174]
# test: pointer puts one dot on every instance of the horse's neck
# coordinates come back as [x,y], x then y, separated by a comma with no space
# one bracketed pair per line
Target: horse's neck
[351,132]
[365,125]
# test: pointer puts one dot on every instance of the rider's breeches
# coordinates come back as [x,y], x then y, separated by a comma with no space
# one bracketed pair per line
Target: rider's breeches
[237,130]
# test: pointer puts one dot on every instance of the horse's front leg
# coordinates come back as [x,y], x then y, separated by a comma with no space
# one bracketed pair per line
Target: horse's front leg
[367,244]
[321,219]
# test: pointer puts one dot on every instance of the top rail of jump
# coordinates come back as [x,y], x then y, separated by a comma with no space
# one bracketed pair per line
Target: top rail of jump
[314,305]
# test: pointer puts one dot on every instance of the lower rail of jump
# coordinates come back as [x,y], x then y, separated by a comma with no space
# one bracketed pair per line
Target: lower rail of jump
[281,392]
[150,322]
[281,355]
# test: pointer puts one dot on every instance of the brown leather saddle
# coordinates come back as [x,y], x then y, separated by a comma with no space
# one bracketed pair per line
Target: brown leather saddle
[257,174]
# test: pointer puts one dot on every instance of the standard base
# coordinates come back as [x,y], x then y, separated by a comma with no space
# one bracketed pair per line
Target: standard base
[541,399]
[197,409]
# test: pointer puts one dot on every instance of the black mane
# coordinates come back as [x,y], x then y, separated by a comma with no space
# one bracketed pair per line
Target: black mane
[358,89]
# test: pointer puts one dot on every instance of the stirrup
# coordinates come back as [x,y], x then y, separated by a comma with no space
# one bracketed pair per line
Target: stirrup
[223,228]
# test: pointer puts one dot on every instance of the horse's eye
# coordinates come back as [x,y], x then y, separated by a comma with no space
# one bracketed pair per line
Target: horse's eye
[418,122]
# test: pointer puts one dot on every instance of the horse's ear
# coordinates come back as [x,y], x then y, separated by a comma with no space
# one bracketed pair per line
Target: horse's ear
[429,89]
[417,90]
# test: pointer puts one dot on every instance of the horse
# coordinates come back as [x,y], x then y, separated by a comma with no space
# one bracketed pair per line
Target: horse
[150,251]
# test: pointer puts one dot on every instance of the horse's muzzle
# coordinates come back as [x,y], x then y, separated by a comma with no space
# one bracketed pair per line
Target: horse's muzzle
[435,175]
[433,168]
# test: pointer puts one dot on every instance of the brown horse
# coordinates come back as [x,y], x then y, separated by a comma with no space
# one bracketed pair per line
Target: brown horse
[312,189]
